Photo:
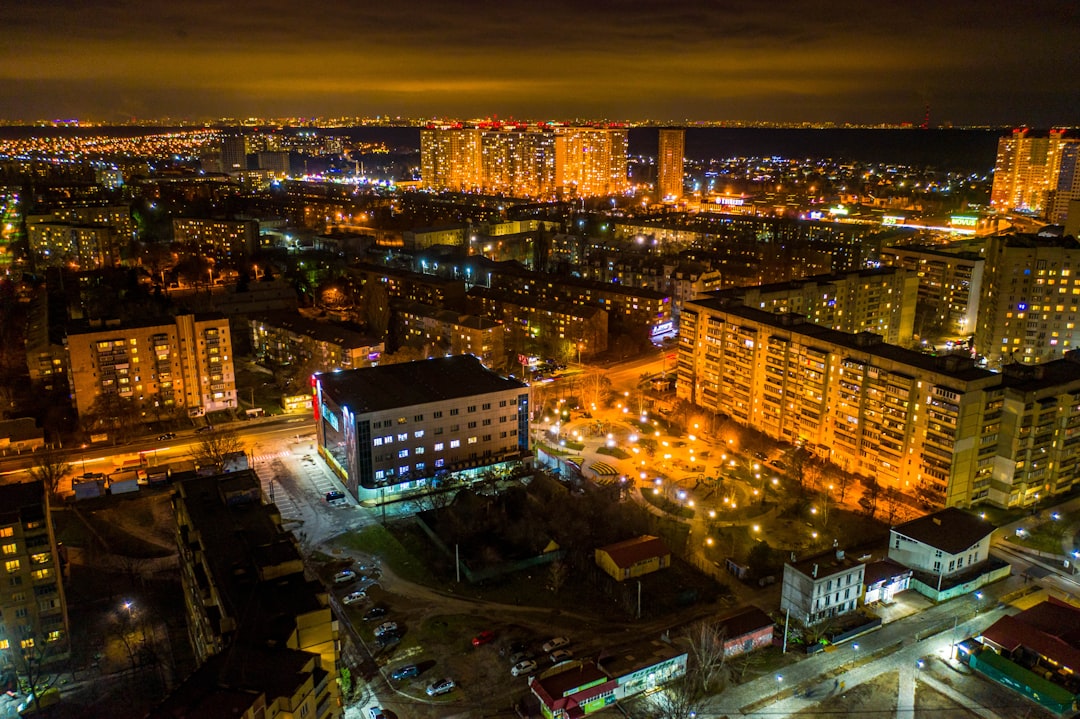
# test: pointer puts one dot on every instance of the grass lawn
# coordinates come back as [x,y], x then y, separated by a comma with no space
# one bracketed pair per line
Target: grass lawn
[613,452]
[550,449]
[576,446]
[402,560]
[1045,537]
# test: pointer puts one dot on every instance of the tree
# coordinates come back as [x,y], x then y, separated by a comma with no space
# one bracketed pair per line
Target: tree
[893,502]
[706,643]
[871,496]
[31,654]
[761,560]
[842,480]
[215,446]
[558,572]
[112,413]
[50,468]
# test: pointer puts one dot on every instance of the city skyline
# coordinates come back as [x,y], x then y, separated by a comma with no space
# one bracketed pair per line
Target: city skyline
[786,62]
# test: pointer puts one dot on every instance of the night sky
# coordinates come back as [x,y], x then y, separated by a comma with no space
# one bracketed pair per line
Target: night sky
[974,62]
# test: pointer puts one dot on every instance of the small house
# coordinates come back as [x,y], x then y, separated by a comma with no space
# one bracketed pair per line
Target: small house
[633,558]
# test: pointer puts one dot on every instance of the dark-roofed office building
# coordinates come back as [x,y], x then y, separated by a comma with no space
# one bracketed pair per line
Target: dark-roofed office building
[396,428]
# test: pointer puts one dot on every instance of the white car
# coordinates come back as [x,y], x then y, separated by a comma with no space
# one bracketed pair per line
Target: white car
[353,598]
[555,643]
[440,687]
[385,628]
[523,667]
[561,655]
[345,576]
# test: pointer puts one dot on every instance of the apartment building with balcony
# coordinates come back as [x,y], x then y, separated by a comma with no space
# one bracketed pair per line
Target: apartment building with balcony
[221,240]
[452,332]
[399,428]
[913,422]
[411,286]
[553,329]
[949,286]
[247,599]
[881,301]
[184,365]
[285,338]
[33,609]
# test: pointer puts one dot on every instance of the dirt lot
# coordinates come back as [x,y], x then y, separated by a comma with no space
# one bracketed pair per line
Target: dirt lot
[932,704]
[873,698]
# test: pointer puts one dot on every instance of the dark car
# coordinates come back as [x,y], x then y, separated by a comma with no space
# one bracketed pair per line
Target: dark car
[207,428]
[388,639]
[406,672]
[335,497]
[374,613]
[168,435]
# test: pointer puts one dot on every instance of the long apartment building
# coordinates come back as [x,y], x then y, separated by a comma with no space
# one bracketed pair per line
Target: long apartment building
[545,161]
[413,286]
[1037,172]
[1030,302]
[554,329]
[184,365]
[914,422]
[396,428]
[82,247]
[881,301]
[290,338]
[949,286]
[452,332]
[33,609]
[248,602]
[221,240]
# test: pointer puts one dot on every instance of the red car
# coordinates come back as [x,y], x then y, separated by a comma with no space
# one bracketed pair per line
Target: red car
[484,637]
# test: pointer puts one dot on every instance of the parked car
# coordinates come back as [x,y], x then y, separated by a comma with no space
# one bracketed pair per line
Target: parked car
[385,628]
[524,667]
[385,640]
[336,498]
[518,657]
[761,456]
[406,672]
[555,643]
[375,713]
[441,687]
[206,428]
[354,597]
[345,576]
[374,613]
[168,435]
[561,655]
[484,637]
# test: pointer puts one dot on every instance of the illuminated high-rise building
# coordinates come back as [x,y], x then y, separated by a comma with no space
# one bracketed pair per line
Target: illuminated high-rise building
[1036,173]
[669,160]
[233,153]
[540,161]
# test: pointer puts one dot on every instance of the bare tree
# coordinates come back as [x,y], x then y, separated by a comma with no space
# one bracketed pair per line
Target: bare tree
[707,655]
[215,446]
[50,468]
[872,494]
[893,502]
[558,573]
[678,699]
[842,480]
[32,656]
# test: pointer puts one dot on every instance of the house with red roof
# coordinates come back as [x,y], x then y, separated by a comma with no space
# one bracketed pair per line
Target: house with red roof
[633,558]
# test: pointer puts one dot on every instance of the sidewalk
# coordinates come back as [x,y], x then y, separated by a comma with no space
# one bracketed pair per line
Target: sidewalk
[897,637]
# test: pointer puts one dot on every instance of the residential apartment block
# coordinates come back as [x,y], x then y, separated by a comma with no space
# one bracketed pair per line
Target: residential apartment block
[545,161]
[413,286]
[881,301]
[949,287]
[184,365]
[1030,303]
[914,422]
[82,247]
[450,332]
[669,178]
[33,610]
[1037,172]
[217,239]
[553,329]
[395,428]
[285,338]
[246,598]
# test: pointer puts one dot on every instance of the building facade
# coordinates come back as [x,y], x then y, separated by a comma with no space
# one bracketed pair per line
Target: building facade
[401,428]
[669,164]
[184,366]
[950,284]
[452,332]
[289,338]
[33,609]
[633,558]
[1030,300]
[1036,172]
[821,587]
[220,240]
[81,247]
[525,161]
[916,423]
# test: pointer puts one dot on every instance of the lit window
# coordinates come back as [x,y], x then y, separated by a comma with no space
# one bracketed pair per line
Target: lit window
[10,548]
[418,434]
[12,566]
[438,446]
[402,453]
[453,443]
[472,440]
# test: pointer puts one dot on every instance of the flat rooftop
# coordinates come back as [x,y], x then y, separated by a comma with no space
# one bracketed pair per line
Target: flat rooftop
[374,389]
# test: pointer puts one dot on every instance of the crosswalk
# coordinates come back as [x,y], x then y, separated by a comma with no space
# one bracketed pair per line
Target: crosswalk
[270,457]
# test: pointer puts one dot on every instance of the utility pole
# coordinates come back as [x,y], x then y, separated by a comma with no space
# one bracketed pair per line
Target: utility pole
[457,562]
[639,599]
[787,615]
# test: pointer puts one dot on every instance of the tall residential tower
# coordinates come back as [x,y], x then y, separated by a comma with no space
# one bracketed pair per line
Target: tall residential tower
[669,160]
